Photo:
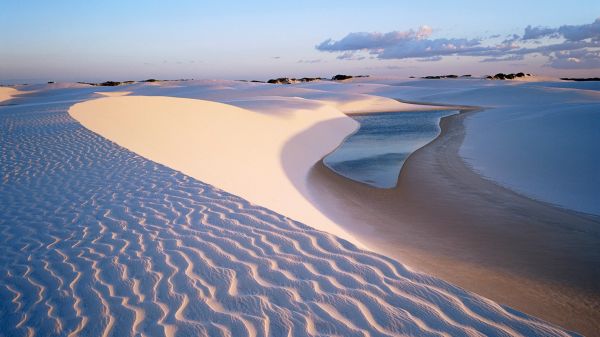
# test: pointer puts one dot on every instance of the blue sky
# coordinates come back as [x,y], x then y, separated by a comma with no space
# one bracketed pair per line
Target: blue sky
[120,40]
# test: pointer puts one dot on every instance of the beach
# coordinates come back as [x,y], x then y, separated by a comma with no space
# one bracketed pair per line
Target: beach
[179,214]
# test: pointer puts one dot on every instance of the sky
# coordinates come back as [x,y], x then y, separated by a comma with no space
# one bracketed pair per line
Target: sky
[133,40]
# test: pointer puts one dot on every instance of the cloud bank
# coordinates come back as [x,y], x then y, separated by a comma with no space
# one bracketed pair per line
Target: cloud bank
[565,47]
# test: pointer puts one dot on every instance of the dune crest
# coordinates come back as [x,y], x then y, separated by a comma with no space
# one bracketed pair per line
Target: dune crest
[235,149]
[113,93]
[7,93]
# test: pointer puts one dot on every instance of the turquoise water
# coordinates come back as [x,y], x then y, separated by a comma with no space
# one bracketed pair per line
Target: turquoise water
[374,155]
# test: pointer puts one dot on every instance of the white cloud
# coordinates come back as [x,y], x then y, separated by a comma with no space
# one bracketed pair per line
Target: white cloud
[362,40]
[349,55]
[579,42]
[581,32]
[310,61]
[533,33]
[578,59]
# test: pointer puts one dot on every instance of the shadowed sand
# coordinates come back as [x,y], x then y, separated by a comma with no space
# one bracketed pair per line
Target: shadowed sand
[97,240]
[446,220]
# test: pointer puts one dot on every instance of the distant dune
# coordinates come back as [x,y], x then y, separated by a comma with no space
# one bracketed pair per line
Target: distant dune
[7,93]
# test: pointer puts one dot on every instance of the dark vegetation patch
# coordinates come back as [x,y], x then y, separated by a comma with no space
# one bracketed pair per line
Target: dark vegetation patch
[287,80]
[502,76]
[581,79]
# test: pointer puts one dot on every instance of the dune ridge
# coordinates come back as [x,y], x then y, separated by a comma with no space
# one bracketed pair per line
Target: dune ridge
[7,93]
[233,148]
[97,240]
[247,136]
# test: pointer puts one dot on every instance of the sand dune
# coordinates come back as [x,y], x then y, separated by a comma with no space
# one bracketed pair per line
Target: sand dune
[247,143]
[99,241]
[244,155]
[7,93]
[236,149]
[114,93]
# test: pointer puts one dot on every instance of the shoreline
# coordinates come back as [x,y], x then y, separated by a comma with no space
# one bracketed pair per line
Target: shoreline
[457,225]
[391,183]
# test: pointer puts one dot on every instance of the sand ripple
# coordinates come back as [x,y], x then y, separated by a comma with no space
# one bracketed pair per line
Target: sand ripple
[97,241]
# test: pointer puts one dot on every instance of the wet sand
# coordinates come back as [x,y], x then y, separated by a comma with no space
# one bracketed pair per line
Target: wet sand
[448,221]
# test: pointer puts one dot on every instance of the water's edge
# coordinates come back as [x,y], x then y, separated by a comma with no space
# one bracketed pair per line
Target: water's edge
[381,169]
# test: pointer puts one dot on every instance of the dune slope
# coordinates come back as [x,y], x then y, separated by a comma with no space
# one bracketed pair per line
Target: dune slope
[7,93]
[235,149]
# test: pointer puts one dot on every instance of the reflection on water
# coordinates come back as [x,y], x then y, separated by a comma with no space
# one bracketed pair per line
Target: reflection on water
[375,154]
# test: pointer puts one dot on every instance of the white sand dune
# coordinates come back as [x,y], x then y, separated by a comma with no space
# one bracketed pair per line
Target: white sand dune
[114,93]
[235,149]
[98,241]
[7,93]
[244,155]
